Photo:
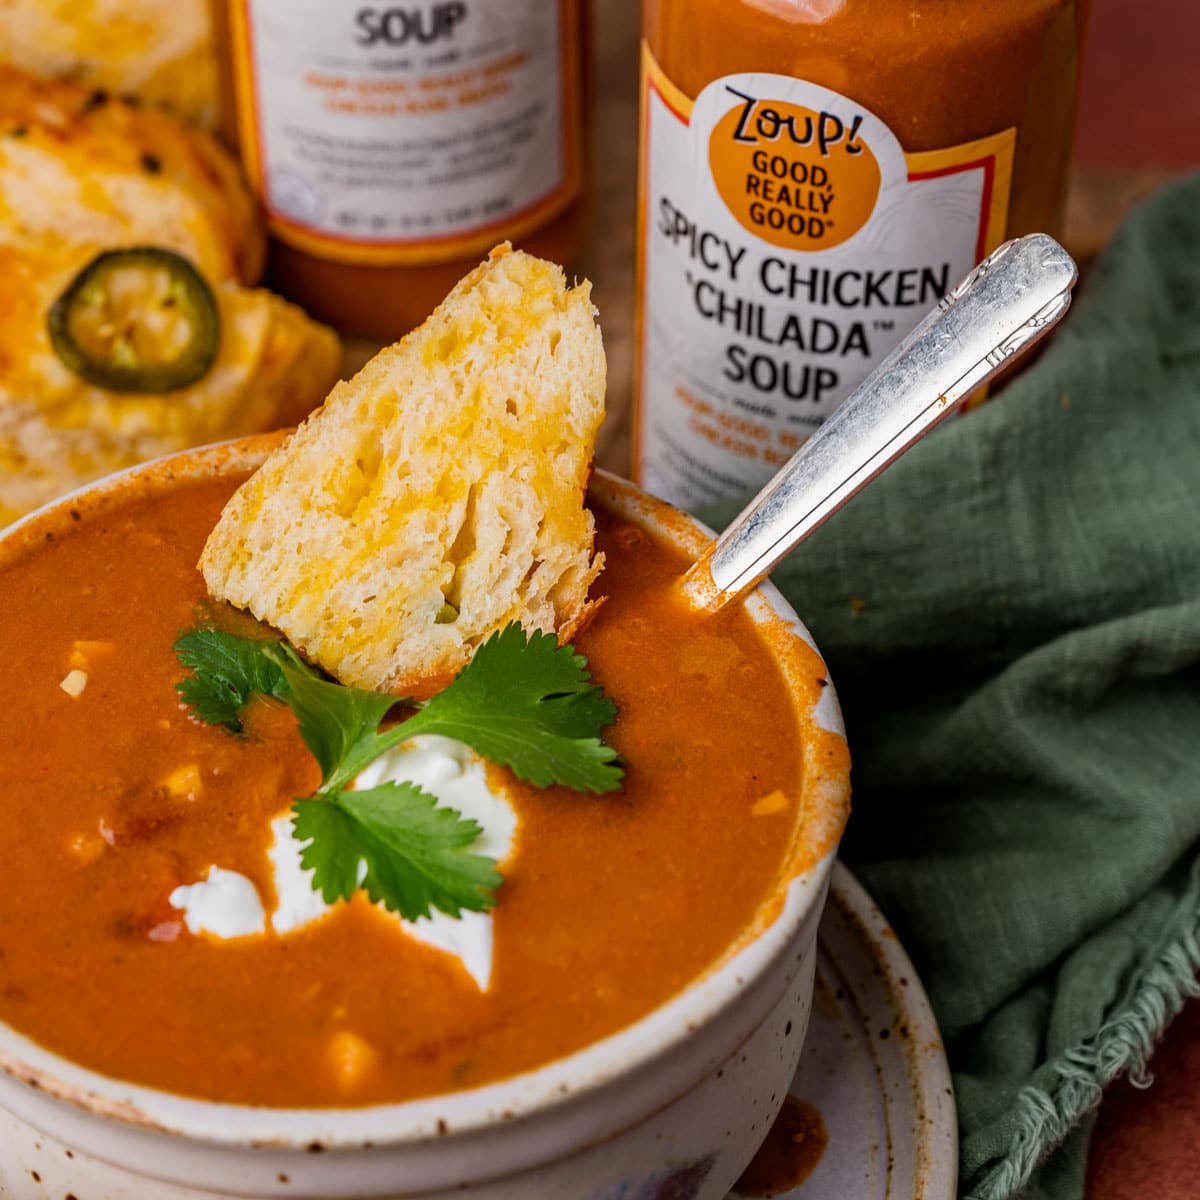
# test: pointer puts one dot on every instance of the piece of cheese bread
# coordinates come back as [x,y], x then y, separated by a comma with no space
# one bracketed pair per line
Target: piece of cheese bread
[57,431]
[80,166]
[158,50]
[81,173]
[438,495]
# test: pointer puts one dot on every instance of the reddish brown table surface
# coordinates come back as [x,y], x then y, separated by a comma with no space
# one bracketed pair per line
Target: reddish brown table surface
[1139,126]
[1147,1141]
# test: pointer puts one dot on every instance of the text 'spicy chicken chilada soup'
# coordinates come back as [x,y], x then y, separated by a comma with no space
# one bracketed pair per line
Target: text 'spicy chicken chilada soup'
[118,802]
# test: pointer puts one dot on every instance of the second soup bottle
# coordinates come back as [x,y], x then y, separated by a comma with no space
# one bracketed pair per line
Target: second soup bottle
[392,145]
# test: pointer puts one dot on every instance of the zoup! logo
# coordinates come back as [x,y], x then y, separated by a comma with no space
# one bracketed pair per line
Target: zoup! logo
[799,178]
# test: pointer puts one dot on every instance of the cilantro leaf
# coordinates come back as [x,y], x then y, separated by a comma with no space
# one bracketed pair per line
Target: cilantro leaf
[227,671]
[523,702]
[338,724]
[530,705]
[414,853]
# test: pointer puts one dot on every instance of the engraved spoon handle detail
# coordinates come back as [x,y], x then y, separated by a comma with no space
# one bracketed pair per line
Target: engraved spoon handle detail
[1009,301]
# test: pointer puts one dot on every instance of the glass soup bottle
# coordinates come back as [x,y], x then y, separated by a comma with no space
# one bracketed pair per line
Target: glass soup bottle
[814,176]
[392,144]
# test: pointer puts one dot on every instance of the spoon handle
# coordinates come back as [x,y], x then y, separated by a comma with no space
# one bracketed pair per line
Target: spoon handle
[997,312]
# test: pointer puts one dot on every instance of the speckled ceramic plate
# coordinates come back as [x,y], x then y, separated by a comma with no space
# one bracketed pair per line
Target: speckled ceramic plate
[873,1078]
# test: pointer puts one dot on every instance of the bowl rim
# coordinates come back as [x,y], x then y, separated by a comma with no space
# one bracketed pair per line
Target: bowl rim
[439,1118]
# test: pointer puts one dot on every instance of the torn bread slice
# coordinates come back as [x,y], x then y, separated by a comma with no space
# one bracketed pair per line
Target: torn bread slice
[438,495]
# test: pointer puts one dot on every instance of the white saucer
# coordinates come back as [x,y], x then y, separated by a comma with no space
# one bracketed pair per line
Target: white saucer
[873,1065]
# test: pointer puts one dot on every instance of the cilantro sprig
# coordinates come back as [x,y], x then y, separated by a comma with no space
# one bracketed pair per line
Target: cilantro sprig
[531,706]
[522,701]
[228,671]
[399,845]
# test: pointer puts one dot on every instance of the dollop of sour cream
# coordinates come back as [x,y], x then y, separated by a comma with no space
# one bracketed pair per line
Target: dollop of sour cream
[225,904]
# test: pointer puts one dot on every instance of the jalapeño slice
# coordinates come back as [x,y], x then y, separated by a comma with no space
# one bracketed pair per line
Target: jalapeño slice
[141,319]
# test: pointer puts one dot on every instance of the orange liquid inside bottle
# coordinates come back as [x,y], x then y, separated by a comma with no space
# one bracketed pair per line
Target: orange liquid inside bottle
[392,145]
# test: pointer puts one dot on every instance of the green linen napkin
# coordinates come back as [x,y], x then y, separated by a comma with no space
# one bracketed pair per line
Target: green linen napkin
[1011,615]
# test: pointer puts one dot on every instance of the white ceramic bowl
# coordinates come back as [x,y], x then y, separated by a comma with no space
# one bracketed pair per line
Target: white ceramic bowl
[669,1108]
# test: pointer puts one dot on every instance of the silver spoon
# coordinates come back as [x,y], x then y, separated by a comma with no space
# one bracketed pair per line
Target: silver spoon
[1014,297]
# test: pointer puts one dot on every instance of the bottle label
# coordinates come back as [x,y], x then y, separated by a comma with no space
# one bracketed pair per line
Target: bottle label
[787,243]
[399,134]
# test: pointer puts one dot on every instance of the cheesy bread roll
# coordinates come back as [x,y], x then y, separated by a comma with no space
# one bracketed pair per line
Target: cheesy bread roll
[78,165]
[83,330]
[159,50]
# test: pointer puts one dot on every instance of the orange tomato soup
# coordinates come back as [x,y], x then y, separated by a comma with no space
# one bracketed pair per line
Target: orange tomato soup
[111,799]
